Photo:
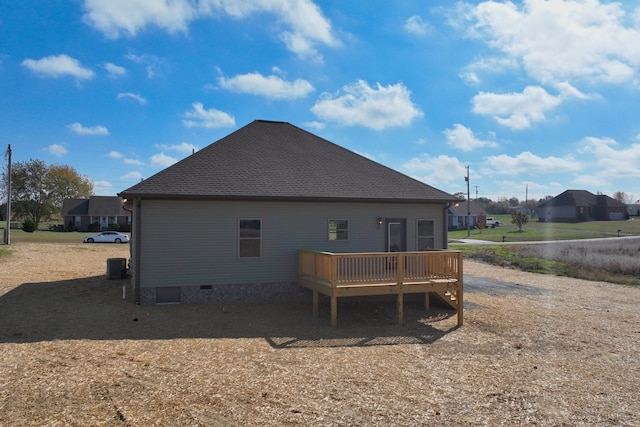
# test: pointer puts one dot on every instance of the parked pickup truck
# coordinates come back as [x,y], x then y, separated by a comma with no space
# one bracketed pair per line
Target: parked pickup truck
[492,222]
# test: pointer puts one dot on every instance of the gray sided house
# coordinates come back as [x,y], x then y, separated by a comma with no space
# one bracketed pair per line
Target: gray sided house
[101,212]
[229,220]
[581,205]
[463,214]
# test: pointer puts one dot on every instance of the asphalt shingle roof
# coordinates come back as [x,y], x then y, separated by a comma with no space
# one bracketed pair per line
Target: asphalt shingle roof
[581,198]
[94,206]
[276,160]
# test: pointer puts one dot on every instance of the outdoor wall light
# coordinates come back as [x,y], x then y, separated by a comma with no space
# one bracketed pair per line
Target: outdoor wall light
[379,222]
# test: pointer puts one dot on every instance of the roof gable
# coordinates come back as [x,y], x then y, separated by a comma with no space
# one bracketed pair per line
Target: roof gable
[276,160]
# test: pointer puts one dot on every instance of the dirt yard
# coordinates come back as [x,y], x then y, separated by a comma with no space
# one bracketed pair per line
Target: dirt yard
[534,350]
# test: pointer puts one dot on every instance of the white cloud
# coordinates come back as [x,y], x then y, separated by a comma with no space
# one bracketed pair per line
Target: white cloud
[271,87]
[77,128]
[133,162]
[462,138]
[162,160]
[562,39]
[519,111]
[516,110]
[210,119]
[114,70]
[114,155]
[471,74]
[435,170]
[102,188]
[376,108]
[529,163]
[56,150]
[133,96]
[302,21]
[416,26]
[135,175]
[152,64]
[115,18]
[305,25]
[315,125]
[57,66]
[612,159]
[183,148]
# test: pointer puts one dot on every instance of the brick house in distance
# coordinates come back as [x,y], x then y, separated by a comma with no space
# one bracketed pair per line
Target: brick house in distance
[581,205]
[104,212]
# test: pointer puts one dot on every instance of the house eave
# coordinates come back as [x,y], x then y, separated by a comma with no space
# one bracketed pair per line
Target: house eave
[281,198]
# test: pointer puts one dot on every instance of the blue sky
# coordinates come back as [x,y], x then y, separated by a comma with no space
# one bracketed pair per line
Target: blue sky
[537,94]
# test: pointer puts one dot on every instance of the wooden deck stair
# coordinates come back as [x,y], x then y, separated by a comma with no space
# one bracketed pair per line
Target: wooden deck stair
[448,297]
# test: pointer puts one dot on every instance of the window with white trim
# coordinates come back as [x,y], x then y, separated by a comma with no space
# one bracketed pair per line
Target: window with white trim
[249,238]
[426,234]
[338,229]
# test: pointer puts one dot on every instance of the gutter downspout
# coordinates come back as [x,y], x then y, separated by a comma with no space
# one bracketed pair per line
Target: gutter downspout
[137,249]
[445,225]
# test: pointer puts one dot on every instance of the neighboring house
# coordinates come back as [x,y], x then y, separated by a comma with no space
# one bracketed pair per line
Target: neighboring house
[459,212]
[633,209]
[521,209]
[95,214]
[228,221]
[581,205]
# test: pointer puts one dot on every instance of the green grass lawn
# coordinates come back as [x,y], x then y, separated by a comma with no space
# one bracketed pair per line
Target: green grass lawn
[537,231]
[519,256]
[44,236]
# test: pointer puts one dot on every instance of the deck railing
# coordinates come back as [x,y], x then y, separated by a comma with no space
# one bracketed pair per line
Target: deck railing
[379,273]
[352,269]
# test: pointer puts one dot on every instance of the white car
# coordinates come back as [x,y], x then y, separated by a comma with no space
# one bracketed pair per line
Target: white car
[493,223]
[107,237]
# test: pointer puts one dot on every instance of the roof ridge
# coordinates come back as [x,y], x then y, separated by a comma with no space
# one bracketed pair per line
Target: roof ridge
[272,121]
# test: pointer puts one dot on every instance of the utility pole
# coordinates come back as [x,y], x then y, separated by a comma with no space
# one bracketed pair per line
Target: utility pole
[466,178]
[476,191]
[7,228]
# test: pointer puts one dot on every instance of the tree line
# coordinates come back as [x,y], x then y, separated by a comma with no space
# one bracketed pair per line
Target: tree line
[38,190]
[505,205]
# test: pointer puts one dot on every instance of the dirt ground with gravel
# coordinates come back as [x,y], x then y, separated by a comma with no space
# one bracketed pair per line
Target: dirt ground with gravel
[534,350]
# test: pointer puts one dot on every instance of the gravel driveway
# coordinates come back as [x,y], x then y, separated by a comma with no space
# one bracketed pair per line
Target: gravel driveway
[534,350]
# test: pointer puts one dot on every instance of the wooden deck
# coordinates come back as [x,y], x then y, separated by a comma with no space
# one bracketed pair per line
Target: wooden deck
[383,273]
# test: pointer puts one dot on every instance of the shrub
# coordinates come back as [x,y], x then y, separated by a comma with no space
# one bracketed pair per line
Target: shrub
[29,225]
[94,226]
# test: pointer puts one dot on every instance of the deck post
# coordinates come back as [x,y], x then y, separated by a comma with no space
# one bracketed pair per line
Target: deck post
[427,302]
[334,311]
[315,303]
[401,260]
[400,307]
[460,306]
[460,292]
